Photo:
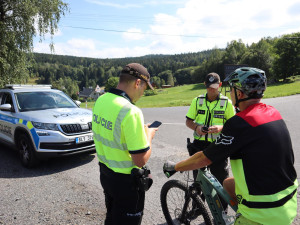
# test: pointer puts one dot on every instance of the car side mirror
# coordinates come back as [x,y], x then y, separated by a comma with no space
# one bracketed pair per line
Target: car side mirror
[78,102]
[6,107]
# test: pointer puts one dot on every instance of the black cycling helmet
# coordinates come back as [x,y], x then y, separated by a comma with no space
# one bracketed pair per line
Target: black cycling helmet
[249,80]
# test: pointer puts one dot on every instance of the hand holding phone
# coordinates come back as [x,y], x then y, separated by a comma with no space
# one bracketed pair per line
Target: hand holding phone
[155,124]
[204,129]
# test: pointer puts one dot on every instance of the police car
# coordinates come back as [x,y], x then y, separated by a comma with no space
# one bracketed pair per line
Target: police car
[41,122]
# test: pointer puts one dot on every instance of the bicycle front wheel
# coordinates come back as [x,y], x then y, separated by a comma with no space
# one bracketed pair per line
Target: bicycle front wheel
[182,207]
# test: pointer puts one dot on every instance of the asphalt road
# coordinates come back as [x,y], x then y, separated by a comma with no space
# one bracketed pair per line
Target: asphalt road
[67,190]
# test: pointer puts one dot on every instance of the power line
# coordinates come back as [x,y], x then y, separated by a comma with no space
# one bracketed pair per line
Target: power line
[136,32]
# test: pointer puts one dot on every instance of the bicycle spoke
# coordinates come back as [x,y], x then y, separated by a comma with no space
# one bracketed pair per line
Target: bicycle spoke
[179,208]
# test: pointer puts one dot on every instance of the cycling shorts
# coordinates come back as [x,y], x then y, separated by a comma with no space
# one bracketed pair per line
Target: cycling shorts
[241,220]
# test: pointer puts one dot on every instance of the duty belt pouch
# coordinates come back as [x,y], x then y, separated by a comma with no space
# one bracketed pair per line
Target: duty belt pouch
[142,178]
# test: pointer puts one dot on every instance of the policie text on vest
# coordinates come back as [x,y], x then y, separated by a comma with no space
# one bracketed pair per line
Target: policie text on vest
[103,122]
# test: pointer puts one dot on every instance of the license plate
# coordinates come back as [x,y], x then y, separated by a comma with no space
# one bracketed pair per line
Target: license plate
[84,139]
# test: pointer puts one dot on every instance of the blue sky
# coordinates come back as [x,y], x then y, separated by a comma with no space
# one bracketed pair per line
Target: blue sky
[118,28]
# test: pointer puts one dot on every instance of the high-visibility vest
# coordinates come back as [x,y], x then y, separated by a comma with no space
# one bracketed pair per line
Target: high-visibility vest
[118,128]
[215,110]
[282,205]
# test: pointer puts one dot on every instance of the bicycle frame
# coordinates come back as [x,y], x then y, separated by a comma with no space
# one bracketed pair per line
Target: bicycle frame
[210,186]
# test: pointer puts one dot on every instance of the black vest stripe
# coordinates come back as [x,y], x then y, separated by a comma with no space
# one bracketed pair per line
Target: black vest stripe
[265,205]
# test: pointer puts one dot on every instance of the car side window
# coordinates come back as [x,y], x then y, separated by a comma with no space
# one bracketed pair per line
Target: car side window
[6,98]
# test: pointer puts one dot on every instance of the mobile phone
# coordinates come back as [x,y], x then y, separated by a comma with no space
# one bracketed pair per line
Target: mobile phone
[205,129]
[155,124]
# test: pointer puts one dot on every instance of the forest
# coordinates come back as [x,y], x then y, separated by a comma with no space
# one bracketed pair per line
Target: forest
[279,57]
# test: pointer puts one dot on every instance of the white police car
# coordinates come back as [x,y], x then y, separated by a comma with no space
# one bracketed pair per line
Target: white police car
[42,122]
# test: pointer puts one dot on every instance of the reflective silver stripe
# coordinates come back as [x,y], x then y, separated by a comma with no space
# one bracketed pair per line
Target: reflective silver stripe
[201,100]
[115,164]
[211,137]
[117,129]
[116,143]
[222,102]
[110,143]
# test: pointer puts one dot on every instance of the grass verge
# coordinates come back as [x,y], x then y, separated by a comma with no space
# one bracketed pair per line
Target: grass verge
[183,95]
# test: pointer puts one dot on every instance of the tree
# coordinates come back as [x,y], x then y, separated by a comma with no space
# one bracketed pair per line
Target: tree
[215,63]
[183,76]
[234,52]
[259,55]
[112,82]
[20,21]
[66,85]
[287,62]
[167,77]
[156,81]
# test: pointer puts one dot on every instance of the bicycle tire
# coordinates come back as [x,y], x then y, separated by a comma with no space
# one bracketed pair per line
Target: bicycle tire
[172,197]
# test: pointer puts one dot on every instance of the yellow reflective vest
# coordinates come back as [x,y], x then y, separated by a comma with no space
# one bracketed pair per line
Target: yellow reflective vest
[204,112]
[118,128]
[265,209]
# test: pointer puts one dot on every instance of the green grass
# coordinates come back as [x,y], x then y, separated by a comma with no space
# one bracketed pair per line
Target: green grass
[32,80]
[284,89]
[183,95]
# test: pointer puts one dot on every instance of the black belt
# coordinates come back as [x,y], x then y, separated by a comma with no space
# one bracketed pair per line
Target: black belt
[264,205]
[107,171]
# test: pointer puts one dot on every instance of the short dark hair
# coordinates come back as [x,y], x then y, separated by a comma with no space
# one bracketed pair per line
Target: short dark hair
[126,78]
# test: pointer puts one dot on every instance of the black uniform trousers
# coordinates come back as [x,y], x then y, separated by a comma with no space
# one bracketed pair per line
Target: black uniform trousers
[124,202]
[219,169]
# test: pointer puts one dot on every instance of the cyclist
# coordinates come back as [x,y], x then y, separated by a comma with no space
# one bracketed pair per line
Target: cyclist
[259,146]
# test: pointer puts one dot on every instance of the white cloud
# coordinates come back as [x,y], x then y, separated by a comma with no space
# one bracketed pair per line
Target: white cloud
[74,47]
[88,44]
[133,34]
[138,5]
[212,23]
[163,2]
[218,22]
[114,5]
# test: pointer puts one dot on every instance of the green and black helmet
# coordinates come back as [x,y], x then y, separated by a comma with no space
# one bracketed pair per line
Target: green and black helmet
[251,81]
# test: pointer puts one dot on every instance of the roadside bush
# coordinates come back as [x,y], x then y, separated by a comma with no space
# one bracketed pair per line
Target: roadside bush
[150,92]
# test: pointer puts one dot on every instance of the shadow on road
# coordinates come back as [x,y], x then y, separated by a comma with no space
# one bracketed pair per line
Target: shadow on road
[11,167]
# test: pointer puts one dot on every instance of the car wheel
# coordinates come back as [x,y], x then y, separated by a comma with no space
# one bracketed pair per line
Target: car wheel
[26,151]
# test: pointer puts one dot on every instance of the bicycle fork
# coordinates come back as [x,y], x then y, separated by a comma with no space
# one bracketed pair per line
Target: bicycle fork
[184,217]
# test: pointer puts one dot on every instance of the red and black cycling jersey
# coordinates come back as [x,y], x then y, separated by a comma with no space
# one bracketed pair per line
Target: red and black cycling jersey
[259,137]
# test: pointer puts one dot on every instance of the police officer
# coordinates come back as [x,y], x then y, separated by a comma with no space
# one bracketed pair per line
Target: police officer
[123,143]
[261,154]
[206,117]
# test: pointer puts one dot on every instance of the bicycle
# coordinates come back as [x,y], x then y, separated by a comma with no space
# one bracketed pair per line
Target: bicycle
[189,206]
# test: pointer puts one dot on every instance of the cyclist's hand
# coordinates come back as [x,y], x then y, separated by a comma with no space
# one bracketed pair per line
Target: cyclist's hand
[169,168]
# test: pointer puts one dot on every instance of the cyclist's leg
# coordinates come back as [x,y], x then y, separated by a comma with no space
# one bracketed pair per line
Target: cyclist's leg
[221,172]
[229,186]
[241,220]
[192,149]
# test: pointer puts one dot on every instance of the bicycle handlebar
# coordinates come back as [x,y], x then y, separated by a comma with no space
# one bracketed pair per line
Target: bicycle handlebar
[168,174]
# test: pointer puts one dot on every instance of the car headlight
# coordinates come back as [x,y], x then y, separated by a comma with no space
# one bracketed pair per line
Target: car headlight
[45,126]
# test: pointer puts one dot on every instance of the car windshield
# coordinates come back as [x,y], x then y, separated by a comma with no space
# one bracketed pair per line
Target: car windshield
[30,101]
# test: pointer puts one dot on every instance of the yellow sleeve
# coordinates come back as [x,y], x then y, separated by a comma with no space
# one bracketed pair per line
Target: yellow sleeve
[134,131]
[192,113]
[230,110]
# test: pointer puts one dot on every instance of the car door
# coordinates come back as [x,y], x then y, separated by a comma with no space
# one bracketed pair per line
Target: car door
[7,118]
